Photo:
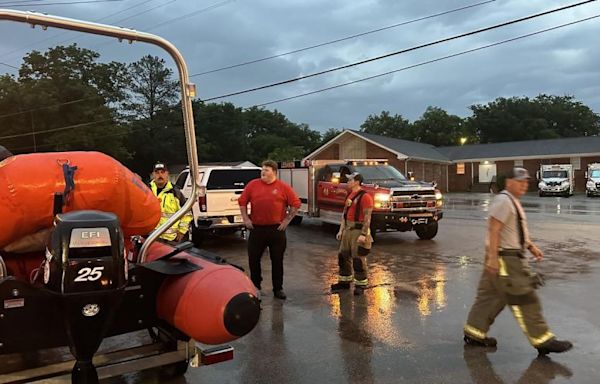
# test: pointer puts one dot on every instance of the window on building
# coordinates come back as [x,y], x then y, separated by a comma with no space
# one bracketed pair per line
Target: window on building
[576,162]
[518,163]
[460,168]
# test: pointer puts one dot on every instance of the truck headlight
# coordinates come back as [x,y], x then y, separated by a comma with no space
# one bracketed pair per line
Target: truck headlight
[541,184]
[590,184]
[564,184]
[382,197]
[438,195]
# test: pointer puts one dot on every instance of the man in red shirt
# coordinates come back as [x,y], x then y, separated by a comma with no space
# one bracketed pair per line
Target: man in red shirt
[355,237]
[269,200]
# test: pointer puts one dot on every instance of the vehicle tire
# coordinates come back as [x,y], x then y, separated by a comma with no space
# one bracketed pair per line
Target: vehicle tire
[541,194]
[427,232]
[297,220]
[588,194]
[197,236]
[373,233]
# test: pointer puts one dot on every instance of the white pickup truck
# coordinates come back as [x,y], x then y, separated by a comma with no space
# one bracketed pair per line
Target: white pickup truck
[217,210]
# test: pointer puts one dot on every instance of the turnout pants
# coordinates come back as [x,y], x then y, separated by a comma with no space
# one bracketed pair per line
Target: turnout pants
[260,238]
[492,298]
[349,259]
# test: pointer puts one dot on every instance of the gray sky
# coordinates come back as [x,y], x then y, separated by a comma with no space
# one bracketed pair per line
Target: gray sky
[217,33]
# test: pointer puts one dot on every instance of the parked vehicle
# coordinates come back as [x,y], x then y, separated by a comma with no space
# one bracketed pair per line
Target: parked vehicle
[592,176]
[556,179]
[217,210]
[400,204]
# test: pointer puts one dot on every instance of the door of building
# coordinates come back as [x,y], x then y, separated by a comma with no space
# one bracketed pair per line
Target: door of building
[487,172]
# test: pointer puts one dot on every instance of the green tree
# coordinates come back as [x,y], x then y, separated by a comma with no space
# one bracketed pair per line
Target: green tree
[385,125]
[521,118]
[437,127]
[152,87]
[330,134]
[67,95]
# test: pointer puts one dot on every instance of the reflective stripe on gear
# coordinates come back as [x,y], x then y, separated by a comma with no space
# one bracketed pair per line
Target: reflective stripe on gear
[535,341]
[361,283]
[169,204]
[476,333]
[345,279]
[503,271]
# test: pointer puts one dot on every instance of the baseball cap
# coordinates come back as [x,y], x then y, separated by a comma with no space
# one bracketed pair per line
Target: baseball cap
[518,173]
[160,165]
[356,177]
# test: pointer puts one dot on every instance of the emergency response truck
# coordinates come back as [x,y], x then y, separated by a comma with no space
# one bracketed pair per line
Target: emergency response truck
[592,176]
[399,204]
[556,179]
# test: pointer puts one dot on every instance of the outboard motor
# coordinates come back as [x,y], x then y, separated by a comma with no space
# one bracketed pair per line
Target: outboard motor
[85,265]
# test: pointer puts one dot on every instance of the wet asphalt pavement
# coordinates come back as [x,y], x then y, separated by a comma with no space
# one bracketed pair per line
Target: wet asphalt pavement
[408,326]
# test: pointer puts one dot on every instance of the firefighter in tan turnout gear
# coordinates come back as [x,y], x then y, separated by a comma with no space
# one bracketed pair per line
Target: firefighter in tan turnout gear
[355,237]
[507,278]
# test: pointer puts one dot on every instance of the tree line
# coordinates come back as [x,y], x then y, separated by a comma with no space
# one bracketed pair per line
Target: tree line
[66,99]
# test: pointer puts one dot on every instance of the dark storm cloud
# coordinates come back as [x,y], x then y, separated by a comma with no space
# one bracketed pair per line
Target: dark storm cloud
[229,32]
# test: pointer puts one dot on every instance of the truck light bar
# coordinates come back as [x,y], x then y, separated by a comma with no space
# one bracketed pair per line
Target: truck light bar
[366,161]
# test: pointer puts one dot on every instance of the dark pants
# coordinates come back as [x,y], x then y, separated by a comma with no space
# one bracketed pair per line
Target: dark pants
[260,238]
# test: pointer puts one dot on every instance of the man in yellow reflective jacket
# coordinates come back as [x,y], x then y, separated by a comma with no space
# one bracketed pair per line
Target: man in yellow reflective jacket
[171,200]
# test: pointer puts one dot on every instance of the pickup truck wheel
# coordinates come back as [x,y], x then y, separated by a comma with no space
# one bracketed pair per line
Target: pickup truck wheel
[297,220]
[427,232]
[197,236]
[541,194]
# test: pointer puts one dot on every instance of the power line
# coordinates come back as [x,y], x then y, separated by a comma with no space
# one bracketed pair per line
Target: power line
[55,129]
[10,53]
[49,106]
[210,7]
[61,3]
[342,39]
[414,48]
[425,62]
[8,65]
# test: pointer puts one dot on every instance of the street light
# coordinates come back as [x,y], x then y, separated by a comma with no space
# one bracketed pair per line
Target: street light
[463,140]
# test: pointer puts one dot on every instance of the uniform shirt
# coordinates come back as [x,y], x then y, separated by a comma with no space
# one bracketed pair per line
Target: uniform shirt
[503,210]
[366,201]
[268,202]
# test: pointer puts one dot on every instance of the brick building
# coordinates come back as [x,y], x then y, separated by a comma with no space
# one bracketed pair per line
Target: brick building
[468,167]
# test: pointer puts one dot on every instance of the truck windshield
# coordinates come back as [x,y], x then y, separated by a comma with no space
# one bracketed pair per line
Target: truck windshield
[380,172]
[595,173]
[557,174]
[231,178]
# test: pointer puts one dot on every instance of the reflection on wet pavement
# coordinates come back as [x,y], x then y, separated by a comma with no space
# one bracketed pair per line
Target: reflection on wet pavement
[407,328]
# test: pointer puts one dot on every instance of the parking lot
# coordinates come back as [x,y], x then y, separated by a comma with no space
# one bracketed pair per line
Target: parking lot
[408,326]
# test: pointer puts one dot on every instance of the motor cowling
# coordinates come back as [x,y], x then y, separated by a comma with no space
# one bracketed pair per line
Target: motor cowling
[85,254]
[85,265]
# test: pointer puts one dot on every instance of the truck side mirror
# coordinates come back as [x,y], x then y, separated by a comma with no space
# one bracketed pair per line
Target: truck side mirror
[586,175]
[537,175]
[335,177]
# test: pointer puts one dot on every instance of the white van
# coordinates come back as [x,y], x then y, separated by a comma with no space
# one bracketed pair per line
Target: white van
[217,210]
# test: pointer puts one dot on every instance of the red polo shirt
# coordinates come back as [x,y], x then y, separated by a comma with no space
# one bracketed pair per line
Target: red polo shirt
[366,201]
[268,202]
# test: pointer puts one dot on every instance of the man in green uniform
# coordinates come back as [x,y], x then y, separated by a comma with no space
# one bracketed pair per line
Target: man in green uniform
[507,278]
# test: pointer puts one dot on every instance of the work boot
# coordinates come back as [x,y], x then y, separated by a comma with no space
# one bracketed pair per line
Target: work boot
[359,290]
[340,285]
[489,342]
[554,346]
[279,294]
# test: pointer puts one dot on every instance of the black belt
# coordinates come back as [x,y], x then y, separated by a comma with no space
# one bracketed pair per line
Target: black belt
[355,226]
[512,252]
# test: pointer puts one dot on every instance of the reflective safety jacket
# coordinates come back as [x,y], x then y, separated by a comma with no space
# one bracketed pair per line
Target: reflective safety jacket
[171,200]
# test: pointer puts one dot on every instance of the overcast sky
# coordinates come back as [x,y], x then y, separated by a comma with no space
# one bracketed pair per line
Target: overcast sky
[217,33]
